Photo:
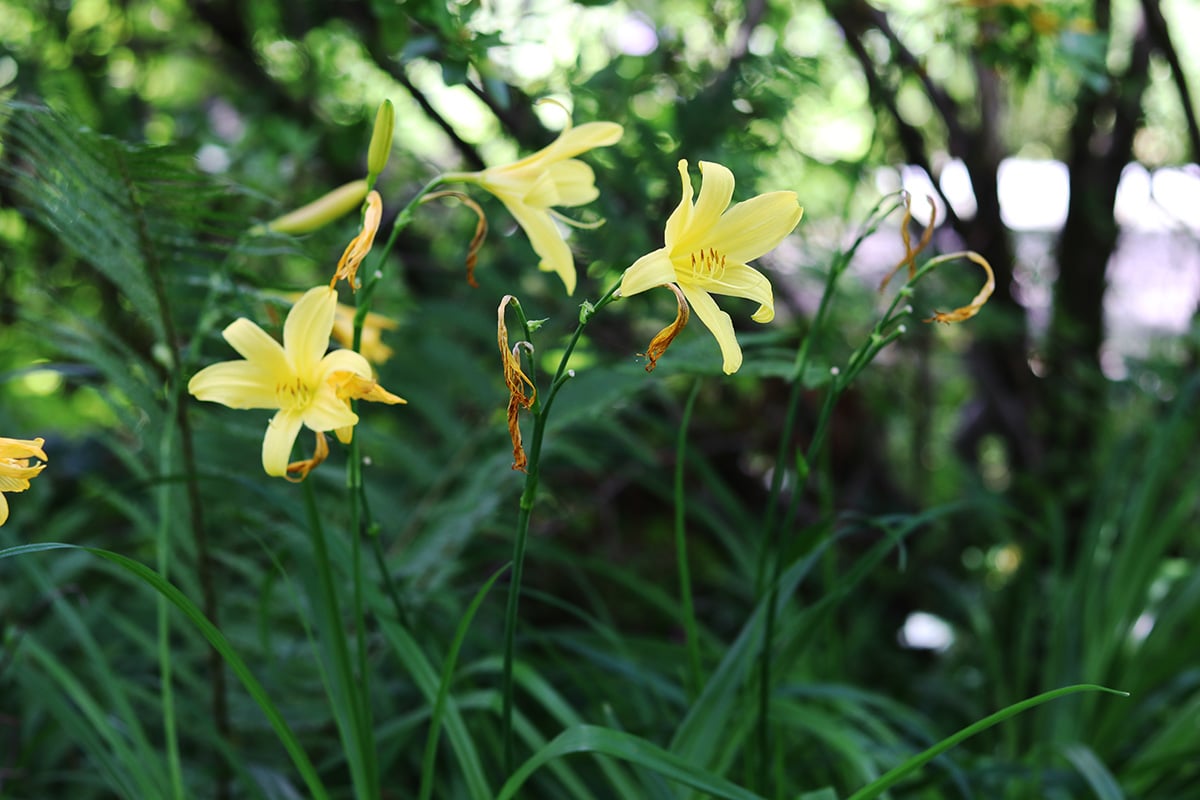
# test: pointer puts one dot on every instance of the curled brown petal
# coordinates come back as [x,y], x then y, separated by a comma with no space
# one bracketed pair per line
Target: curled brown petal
[911,253]
[302,468]
[972,308]
[360,245]
[662,340]
[481,228]
[516,381]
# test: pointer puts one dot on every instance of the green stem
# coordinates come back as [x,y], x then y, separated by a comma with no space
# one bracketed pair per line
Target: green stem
[769,553]
[541,412]
[343,683]
[360,521]
[695,675]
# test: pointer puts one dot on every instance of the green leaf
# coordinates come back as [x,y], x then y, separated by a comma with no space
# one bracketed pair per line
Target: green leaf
[627,747]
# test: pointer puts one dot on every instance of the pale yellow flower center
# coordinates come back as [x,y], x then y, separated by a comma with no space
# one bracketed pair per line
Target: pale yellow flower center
[706,265]
[294,394]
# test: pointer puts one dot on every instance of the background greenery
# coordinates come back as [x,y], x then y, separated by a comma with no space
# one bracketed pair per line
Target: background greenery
[989,474]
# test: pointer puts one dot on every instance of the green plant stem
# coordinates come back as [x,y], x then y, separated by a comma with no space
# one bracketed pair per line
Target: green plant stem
[691,634]
[349,718]
[360,521]
[541,412]
[177,407]
[769,552]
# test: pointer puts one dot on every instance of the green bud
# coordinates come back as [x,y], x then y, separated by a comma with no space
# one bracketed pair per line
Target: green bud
[323,210]
[381,138]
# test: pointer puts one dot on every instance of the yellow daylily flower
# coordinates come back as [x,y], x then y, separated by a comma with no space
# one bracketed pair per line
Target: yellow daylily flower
[307,385]
[707,248]
[15,469]
[552,176]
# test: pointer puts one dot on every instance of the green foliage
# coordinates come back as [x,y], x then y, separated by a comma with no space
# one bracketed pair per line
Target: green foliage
[175,624]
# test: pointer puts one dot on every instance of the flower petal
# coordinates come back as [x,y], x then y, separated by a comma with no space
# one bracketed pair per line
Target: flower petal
[716,189]
[346,361]
[719,323]
[3,509]
[740,280]
[546,240]
[22,448]
[755,227]
[328,412]
[255,345]
[307,328]
[277,444]
[574,183]
[677,223]
[651,270]
[578,139]
[237,384]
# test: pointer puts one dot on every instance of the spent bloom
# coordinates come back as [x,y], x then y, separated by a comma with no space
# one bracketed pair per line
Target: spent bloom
[532,187]
[707,246]
[306,385]
[15,469]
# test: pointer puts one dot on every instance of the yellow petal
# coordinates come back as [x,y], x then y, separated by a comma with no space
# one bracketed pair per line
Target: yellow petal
[307,328]
[22,448]
[755,227]
[719,323]
[14,483]
[579,139]
[547,242]
[328,412]
[649,271]
[237,384]
[3,509]
[349,386]
[681,217]
[574,183]
[255,345]
[344,361]
[739,280]
[716,190]
[277,444]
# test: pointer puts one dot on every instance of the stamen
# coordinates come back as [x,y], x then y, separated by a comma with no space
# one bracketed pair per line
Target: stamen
[708,265]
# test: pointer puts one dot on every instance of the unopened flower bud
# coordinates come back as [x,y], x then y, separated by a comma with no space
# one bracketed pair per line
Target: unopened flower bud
[381,138]
[323,210]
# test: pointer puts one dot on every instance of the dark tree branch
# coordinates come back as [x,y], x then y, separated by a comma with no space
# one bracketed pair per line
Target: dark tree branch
[1157,27]
[911,140]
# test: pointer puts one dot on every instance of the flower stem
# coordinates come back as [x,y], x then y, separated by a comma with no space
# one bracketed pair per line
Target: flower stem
[541,412]
[695,675]
[347,699]
[770,549]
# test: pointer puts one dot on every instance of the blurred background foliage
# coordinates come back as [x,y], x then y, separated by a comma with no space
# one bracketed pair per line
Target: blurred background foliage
[1044,454]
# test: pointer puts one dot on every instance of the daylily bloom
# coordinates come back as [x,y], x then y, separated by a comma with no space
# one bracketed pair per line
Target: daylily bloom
[306,385]
[707,247]
[15,469]
[552,176]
